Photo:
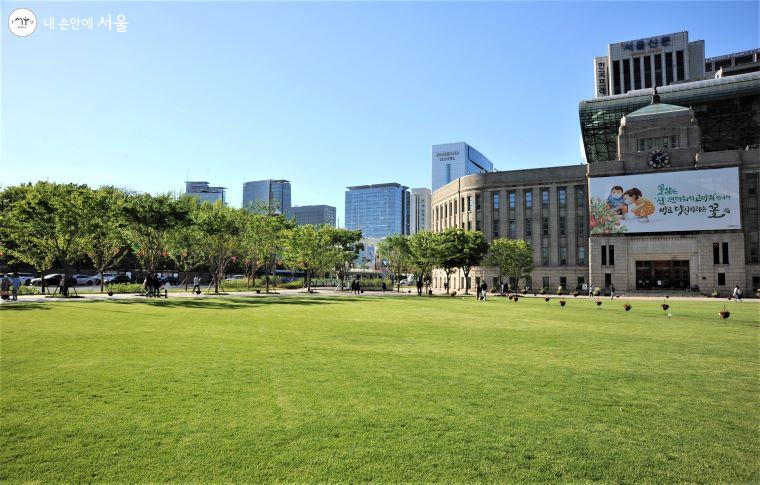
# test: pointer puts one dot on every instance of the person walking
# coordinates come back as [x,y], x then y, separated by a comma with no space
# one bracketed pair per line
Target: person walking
[419,286]
[477,291]
[612,291]
[483,290]
[15,284]
[384,286]
[167,287]
[197,283]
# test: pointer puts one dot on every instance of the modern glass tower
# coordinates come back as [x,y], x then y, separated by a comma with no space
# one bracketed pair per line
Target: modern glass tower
[454,160]
[315,215]
[205,193]
[379,210]
[275,193]
[419,216]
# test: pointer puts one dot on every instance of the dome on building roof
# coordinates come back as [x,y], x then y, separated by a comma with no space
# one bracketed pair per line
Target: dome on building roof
[657,108]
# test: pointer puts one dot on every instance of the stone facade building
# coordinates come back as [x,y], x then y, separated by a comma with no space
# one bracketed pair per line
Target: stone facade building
[550,209]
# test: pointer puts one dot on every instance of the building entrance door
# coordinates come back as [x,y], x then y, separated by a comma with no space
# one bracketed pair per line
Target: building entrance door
[655,275]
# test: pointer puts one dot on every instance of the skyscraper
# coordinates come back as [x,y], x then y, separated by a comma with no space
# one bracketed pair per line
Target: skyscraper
[419,214]
[379,210]
[454,160]
[315,215]
[203,192]
[275,193]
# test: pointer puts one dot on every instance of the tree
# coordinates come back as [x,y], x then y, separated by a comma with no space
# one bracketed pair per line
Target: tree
[104,229]
[220,228]
[472,248]
[424,253]
[346,246]
[512,257]
[184,247]
[45,222]
[26,216]
[395,250]
[263,240]
[309,249]
[150,219]
[447,250]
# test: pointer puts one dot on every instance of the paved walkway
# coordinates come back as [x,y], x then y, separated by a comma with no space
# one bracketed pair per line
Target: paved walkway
[321,292]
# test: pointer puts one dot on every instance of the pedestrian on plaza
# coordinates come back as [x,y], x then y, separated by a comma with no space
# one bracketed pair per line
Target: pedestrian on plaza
[419,286]
[483,290]
[15,284]
[167,287]
[477,291]
[5,286]
[737,293]
[385,287]
[156,286]
[612,291]
[197,284]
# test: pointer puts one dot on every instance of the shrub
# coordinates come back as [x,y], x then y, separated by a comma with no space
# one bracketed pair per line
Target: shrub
[597,291]
[29,290]
[125,288]
[453,293]
[715,293]
[294,285]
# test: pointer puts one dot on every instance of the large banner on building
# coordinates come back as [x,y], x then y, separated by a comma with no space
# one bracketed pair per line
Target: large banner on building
[693,200]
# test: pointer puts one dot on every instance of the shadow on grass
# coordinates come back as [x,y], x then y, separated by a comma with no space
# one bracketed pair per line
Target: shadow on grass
[21,306]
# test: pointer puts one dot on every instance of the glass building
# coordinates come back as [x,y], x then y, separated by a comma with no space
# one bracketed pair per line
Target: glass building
[727,110]
[379,210]
[315,215]
[205,193]
[454,160]
[275,193]
[419,216]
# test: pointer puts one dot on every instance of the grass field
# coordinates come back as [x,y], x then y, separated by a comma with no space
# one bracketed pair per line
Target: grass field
[372,388]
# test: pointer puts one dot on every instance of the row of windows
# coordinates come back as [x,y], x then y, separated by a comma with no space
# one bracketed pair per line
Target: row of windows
[628,82]
[646,144]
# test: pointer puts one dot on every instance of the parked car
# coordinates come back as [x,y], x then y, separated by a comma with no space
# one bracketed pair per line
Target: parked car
[233,277]
[26,278]
[173,280]
[83,279]
[116,279]
[53,279]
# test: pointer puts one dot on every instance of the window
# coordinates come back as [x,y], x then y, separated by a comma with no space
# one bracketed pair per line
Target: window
[462,206]
[604,255]
[477,202]
[642,144]
[469,203]
[580,225]
[674,141]
[512,229]
[545,226]
[528,199]
[580,281]
[716,253]
[580,196]
[563,282]
[562,196]
[637,73]
[528,227]
[668,68]
[469,225]
[545,282]
[495,201]
[611,255]
[616,77]
[511,200]
[562,226]
[563,256]
[725,252]
[679,66]
[477,224]
[708,66]
[607,280]
[647,71]
[581,257]
[626,75]
[545,256]
[721,279]
[496,228]
[755,283]
[545,197]
[658,69]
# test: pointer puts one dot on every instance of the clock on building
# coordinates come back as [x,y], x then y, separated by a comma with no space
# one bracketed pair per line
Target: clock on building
[659,159]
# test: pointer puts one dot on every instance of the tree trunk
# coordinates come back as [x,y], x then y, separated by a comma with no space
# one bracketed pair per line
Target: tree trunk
[102,285]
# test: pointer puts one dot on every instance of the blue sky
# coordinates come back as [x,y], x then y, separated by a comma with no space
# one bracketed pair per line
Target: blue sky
[323,94]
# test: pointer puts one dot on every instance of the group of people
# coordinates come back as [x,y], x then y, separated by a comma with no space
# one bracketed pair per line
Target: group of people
[152,286]
[356,287]
[9,287]
[482,291]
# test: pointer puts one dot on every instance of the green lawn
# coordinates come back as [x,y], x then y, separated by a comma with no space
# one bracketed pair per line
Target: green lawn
[372,388]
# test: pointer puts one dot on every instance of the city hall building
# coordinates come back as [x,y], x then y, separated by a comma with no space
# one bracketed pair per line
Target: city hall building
[671,201]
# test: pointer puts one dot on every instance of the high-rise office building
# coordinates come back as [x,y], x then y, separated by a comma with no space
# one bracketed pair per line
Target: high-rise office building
[379,210]
[664,60]
[419,213]
[205,193]
[275,193]
[454,160]
[315,215]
